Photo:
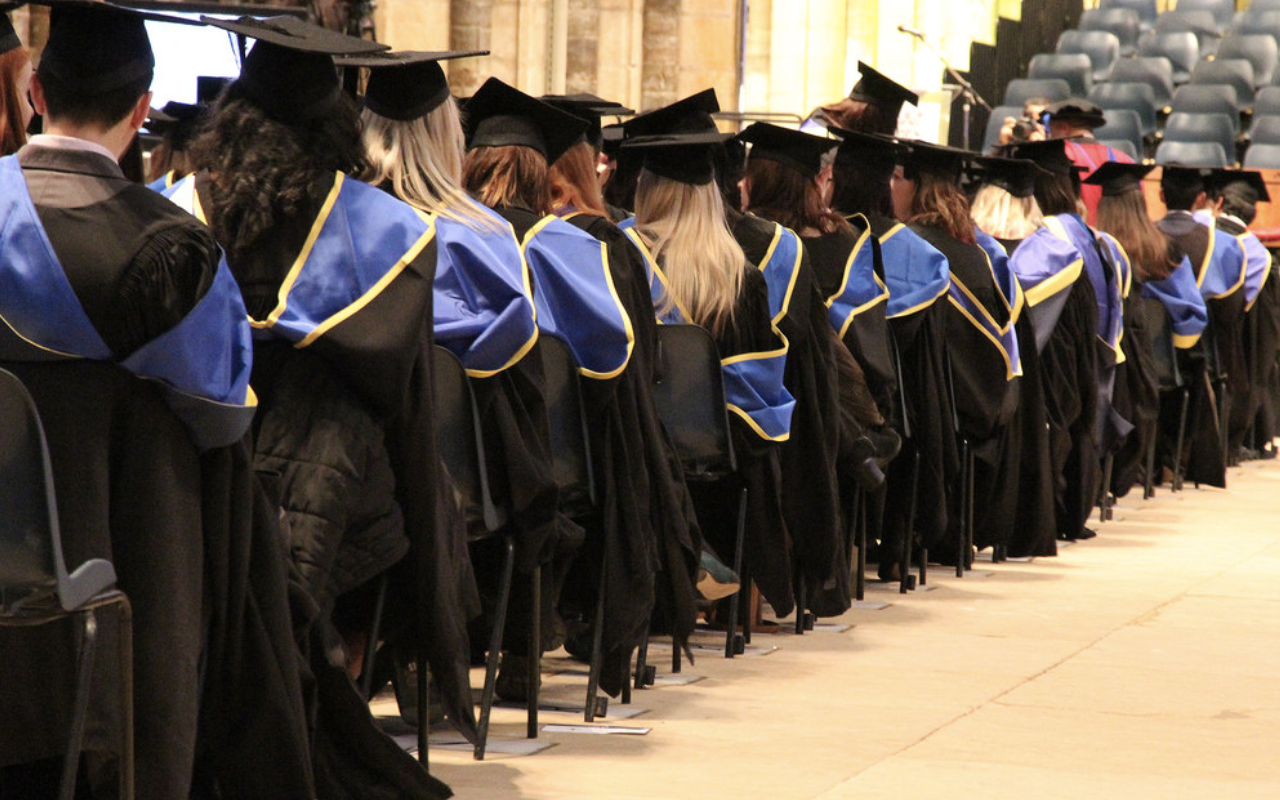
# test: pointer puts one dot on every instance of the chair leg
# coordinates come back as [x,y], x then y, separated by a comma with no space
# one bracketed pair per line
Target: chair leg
[1182,431]
[495,648]
[966,503]
[1224,412]
[859,522]
[126,700]
[371,646]
[908,536]
[1104,502]
[800,605]
[597,653]
[424,708]
[534,675]
[80,711]
[642,660]
[1149,479]
[736,598]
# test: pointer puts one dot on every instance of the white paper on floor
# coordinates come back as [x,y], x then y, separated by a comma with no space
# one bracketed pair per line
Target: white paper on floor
[616,710]
[675,679]
[452,741]
[869,605]
[830,627]
[596,729]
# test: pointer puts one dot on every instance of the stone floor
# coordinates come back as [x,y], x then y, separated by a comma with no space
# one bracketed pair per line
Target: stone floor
[1142,663]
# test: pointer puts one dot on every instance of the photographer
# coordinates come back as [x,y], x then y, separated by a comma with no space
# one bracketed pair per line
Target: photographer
[1027,128]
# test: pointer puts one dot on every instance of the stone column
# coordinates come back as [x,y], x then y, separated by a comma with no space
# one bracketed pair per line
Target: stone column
[582,73]
[660,73]
[469,29]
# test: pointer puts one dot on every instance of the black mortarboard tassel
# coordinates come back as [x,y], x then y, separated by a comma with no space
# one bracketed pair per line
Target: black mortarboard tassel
[499,115]
[878,89]
[8,36]
[1017,176]
[689,115]
[682,157]
[1117,178]
[1219,179]
[289,73]
[405,85]
[802,152]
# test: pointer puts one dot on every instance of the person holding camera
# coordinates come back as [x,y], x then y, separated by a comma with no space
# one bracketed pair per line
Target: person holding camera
[1027,128]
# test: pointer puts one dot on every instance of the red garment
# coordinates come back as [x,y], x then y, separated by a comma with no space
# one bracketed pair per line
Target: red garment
[1091,154]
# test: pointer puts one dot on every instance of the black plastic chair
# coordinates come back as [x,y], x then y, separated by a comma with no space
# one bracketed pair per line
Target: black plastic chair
[1207,98]
[1181,48]
[1186,127]
[462,450]
[1258,49]
[1191,154]
[1262,156]
[35,587]
[1155,71]
[1200,23]
[1123,23]
[1074,68]
[1137,97]
[1018,90]
[1257,20]
[1102,48]
[1236,72]
[1145,9]
[1221,10]
[1123,124]
[689,395]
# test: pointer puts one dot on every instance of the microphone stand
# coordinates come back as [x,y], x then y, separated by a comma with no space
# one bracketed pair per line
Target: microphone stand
[968,95]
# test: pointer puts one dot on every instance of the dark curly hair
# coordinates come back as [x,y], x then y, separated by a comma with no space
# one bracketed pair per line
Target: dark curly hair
[263,171]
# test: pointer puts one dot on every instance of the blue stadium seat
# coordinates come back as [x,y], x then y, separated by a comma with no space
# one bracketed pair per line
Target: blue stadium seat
[1222,10]
[1234,71]
[1146,9]
[1192,154]
[1262,156]
[1155,71]
[1259,49]
[1200,23]
[1122,123]
[1182,50]
[1183,126]
[1101,47]
[1137,97]
[1074,68]
[1019,89]
[1121,22]
[1265,130]
[1207,98]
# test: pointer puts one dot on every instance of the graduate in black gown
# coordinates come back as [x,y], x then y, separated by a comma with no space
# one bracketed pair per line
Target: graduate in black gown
[129,332]
[982,346]
[337,279]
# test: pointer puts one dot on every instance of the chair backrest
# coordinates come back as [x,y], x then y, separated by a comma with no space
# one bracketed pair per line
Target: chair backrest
[1155,71]
[1074,68]
[1146,9]
[1267,101]
[689,395]
[1262,156]
[460,441]
[1234,71]
[1137,97]
[1221,10]
[1265,130]
[1264,5]
[1101,47]
[1192,154]
[567,418]
[1019,89]
[1207,98]
[1183,126]
[1164,358]
[32,569]
[1122,123]
[1123,23]
[1257,21]
[1125,146]
[1258,49]
[1199,22]
[995,122]
[1181,48]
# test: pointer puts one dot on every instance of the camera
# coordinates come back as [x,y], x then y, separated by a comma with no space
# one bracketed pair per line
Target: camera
[1024,127]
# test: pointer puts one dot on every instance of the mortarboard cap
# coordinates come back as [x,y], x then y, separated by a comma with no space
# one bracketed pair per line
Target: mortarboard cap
[1075,109]
[210,87]
[1219,179]
[289,73]
[499,115]
[800,151]
[177,122]
[8,36]
[1116,177]
[1187,179]
[611,139]
[95,47]
[877,89]
[1017,176]
[1050,155]
[590,108]
[682,157]
[689,115]
[405,85]
[869,154]
[934,159]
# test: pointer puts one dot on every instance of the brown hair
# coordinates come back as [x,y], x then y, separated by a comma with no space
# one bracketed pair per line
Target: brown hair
[166,159]
[784,195]
[855,115]
[573,181]
[939,203]
[1124,216]
[508,176]
[13,133]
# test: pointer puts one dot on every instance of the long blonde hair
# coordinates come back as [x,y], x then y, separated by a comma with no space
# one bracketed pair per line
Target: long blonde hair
[998,213]
[689,237]
[422,161]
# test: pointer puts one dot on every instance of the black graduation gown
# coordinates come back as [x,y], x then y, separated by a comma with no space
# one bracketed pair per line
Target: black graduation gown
[1136,396]
[641,521]
[984,398]
[1264,343]
[810,496]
